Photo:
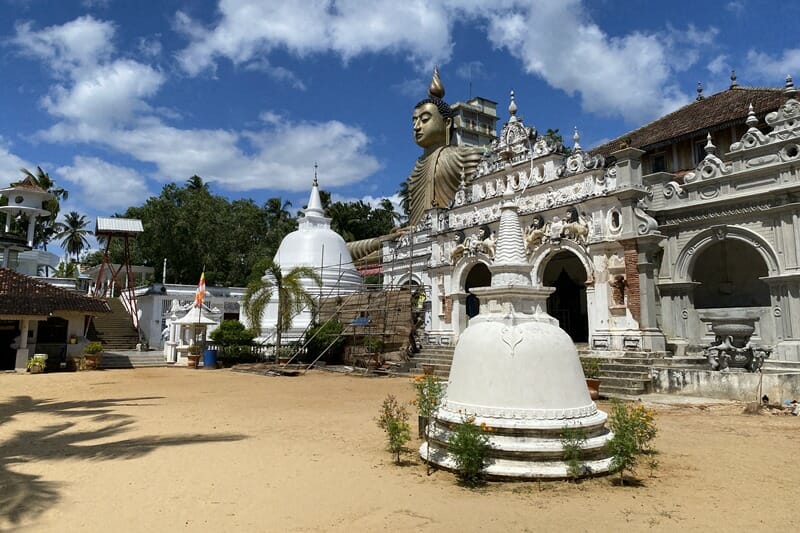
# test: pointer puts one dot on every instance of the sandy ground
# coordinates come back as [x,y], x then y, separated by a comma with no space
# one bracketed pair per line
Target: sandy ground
[191,450]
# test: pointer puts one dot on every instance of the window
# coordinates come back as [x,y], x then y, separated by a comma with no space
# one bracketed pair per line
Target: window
[658,163]
[699,151]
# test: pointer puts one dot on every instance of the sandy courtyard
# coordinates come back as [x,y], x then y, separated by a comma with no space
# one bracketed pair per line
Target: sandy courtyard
[180,450]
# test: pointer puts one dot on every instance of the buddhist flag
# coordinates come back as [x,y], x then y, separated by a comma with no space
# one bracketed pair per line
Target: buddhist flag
[201,291]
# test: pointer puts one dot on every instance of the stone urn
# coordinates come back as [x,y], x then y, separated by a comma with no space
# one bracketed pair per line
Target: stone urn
[732,347]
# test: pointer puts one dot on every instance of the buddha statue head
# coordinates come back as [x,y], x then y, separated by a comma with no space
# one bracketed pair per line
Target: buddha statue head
[433,118]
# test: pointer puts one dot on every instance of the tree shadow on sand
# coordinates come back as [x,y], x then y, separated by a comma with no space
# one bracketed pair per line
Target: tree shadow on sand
[25,496]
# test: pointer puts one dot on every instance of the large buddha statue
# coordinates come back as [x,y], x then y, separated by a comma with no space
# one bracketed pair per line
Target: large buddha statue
[437,173]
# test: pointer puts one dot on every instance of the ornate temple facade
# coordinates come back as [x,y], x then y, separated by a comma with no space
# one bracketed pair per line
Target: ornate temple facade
[647,239]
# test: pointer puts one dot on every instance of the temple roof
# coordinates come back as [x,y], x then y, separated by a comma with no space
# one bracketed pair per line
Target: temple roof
[709,113]
[23,295]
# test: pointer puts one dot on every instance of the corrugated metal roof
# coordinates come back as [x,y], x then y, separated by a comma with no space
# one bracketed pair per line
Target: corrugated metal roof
[118,225]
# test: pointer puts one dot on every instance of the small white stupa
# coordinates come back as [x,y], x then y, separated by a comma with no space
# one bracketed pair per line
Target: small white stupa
[314,244]
[517,372]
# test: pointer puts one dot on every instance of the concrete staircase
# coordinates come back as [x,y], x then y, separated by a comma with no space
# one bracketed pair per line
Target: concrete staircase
[114,330]
[132,359]
[439,358]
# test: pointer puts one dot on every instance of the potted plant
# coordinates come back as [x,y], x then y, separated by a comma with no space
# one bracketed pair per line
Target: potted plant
[93,354]
[591,371]
[194,355]
[36,363]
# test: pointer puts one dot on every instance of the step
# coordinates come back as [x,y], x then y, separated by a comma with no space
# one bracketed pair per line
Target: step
[645,376]
[627,383]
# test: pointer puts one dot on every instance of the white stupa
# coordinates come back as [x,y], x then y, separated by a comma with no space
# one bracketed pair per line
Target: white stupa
[517,372]
[314,244]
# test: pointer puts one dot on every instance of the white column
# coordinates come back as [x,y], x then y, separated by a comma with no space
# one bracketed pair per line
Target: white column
[31,226]
[21,362]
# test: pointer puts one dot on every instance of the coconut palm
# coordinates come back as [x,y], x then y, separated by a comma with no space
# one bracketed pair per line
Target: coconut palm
[292,296]
[73,234]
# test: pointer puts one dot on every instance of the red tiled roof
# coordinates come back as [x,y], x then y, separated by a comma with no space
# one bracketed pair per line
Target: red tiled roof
[23,295]
[714,112]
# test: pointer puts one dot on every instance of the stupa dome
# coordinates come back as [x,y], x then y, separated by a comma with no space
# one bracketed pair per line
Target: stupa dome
[515,371]
[314,244]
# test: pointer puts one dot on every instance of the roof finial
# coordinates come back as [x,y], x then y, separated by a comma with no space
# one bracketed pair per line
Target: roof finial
[734,83]
[710,148]
[512,108]
[790,90]
[751,117]
[315,174]
[576,137]
[436,89]
[699,91]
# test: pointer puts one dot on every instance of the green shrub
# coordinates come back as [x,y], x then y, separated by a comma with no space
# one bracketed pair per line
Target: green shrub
[572,440]
[429,395]
[93,347]
[237,354]
[320,336]
[591,367]
[393,420]
[469,445]
[634,429]
[232,332]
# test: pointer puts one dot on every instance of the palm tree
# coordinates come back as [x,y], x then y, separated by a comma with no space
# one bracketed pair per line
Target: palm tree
[292,296]
[73,235]
[403,194]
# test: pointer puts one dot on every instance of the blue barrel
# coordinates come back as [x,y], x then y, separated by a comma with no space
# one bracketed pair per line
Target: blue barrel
[210,359]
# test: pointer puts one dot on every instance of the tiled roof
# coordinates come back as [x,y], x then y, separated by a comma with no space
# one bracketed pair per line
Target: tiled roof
[29,184]
[23,295]
[714,112]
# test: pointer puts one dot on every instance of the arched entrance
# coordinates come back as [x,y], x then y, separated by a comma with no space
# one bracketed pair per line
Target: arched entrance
[479,276]
[566,273]
[728,272]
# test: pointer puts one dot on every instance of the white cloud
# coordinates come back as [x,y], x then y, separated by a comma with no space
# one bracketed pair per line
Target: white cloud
[78,44]
[109,186]
[737,7]
[248,29]
[628,76]
[150,46]
[10,164]
[104,94]
[773,69]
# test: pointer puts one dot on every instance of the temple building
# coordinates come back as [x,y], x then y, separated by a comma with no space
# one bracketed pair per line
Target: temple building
[648,239]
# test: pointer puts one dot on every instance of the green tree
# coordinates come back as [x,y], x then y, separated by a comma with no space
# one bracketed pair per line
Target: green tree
[66,270]
[73,234]
[403,194]
[292,296]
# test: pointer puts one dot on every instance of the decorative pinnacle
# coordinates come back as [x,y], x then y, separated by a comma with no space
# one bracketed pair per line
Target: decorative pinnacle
[751,117]
[699,91]
[734,83]
[710,148]
[790,90]
[512,108]
[315,184]
[576,137]
[436,89]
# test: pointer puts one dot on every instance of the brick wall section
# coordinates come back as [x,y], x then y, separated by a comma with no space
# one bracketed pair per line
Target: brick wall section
[632,277]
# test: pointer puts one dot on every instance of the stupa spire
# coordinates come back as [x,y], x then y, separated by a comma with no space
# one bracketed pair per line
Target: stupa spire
[314,203]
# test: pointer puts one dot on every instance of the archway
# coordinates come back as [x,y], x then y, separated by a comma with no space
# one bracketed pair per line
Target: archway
[566,273]
[728,272]
[478,276]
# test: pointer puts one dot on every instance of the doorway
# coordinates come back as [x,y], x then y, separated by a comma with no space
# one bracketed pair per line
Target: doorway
[567,303]
[479,276]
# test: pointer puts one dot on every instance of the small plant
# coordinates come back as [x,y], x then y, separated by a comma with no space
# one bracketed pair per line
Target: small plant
[37,363]
[469,444]
[572,440]
[634,429]
[93,348]
[393,420]
[195,349]
[591,367]
[429,395]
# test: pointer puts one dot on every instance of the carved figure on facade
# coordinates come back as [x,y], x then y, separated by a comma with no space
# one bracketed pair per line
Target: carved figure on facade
[618,286]
[575,228]
[486,241]
[535,234]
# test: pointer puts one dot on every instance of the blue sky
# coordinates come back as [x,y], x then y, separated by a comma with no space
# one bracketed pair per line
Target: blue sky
[115,98]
